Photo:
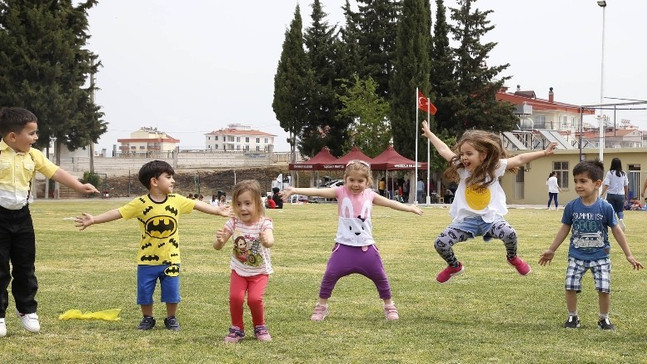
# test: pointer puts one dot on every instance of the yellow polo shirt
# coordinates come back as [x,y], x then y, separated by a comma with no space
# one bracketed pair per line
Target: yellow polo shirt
[16,173]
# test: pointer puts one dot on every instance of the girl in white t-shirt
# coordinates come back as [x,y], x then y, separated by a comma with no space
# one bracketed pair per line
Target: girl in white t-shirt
[252,234]
[355,250]
[477,162]
[553,189]
[616,186]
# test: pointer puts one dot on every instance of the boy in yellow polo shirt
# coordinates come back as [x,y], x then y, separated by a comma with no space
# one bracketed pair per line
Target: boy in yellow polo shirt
[18,165]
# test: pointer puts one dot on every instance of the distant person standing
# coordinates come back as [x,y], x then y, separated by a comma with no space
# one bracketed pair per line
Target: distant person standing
[381,186]
[615,186]
[553,189]
[420,190]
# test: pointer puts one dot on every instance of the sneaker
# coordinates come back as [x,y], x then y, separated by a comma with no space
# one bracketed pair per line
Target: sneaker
[605,324]
[391,313]
[147,323]
[320,312]
[522,267]
[3,328]
[29,321]
[622,225]
[573,322]
[172,323]
[262,334]
[235,335]
[446,274]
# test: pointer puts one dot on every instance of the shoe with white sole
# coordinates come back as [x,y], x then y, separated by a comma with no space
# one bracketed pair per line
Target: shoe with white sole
[29,321]
[3,328]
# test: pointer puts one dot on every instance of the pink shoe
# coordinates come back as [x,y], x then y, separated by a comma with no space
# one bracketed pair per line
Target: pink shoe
[522,267]
[391,312]
[236,335]
[262,334]
[447,273]
[320,312]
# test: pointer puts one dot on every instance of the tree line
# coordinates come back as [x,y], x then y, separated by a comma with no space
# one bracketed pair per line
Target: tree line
[46,68]
[354,85]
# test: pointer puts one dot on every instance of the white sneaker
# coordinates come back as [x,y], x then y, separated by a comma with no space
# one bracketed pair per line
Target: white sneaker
[29,321]
[3,328]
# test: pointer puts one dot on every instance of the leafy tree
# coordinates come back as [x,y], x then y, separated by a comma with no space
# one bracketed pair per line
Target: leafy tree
[292,83]
[370,131]
[477,86]
[45,68]
[411,70]
[323,50]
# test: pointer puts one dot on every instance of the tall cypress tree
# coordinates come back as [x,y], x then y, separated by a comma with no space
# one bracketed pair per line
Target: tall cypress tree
[292,83]
[45,68]
[411,70]
[377,24]
[443,83]
[477,83]
[323,127]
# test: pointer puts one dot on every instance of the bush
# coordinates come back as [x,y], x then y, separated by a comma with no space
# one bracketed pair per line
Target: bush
[91,178]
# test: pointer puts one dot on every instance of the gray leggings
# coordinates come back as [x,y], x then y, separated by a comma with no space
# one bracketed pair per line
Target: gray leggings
[500,230]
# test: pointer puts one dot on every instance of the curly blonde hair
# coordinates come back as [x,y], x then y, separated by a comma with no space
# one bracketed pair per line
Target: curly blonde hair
[486,143]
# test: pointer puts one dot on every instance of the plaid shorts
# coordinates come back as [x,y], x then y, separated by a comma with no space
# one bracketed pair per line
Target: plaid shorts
[600,268]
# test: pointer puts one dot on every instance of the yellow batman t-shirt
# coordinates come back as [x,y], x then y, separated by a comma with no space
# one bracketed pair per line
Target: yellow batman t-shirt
[158,225]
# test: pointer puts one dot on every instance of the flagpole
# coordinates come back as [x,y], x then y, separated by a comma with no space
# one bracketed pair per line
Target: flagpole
[416,135]
[428,152]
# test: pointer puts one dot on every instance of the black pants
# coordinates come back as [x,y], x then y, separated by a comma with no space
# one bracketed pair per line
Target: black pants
[18,247]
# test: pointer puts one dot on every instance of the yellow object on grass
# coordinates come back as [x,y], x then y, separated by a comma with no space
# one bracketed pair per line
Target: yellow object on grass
[106,315]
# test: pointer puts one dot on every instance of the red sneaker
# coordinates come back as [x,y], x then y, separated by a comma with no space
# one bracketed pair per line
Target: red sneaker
[522,267]
[447,273]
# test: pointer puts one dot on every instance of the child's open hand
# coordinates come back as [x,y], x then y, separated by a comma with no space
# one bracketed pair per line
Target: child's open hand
[636,264]
[550,149]
[425,128]
[286,193]
[89,188]
[416,210]
[83,221]
[226,211]
[546,257]
[220,236]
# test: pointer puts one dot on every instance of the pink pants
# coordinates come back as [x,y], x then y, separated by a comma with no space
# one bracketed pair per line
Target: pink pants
[255,288]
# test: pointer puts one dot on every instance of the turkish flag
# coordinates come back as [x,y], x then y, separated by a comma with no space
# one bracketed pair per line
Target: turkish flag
[425,105]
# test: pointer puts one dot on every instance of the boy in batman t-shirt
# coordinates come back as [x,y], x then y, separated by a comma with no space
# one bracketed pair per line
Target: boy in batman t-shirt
[158,256]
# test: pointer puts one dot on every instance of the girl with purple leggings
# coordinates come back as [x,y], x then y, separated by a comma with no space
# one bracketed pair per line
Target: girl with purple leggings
[354,250]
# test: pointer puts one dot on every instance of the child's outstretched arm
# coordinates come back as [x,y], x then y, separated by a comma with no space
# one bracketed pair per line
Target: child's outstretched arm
[86,219]
[383,201]
[222,236]
[440,145]
[547,256]
[321,192]
[62,176]
[521,159]
[622,241]
[213,210]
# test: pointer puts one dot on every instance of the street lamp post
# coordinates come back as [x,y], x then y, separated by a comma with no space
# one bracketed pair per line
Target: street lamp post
[603,5]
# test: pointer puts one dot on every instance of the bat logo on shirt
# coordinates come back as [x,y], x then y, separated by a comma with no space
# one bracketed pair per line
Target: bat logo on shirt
[166,262]
[161,227]
[171,210]
[172,271]
[142,200]
[161,245]
[147,245]
[175,254]
[149,258]
[174,242]
[147,209]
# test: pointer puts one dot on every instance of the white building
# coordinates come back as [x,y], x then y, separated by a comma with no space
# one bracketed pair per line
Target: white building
[148,140]
[238,137]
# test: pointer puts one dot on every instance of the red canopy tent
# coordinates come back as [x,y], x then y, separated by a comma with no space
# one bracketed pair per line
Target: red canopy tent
[390,160]
[355,153]
[321,161]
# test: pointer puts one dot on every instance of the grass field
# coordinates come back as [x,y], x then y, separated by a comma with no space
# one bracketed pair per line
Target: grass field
[489,314]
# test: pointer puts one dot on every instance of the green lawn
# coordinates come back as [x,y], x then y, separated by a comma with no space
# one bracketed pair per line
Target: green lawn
[489,314]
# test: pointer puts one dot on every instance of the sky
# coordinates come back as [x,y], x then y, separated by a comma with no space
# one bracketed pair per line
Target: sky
[196,66]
